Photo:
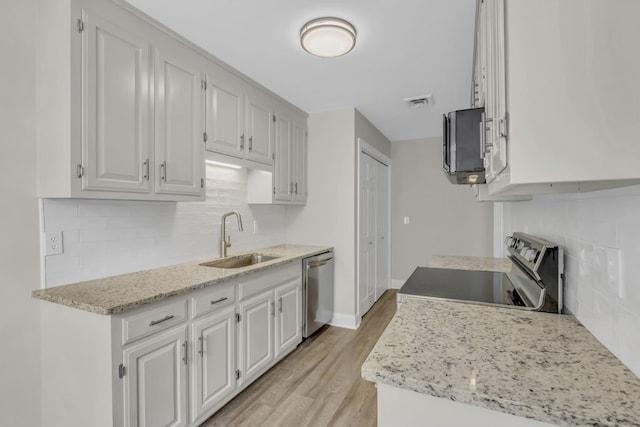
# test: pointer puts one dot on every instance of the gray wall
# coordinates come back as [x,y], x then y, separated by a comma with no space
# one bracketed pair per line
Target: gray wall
[366,130]
[444,218]
[19,268]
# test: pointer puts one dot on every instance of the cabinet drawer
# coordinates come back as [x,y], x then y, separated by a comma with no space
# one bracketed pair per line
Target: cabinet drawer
[152,320]
[269,279]
[213,299]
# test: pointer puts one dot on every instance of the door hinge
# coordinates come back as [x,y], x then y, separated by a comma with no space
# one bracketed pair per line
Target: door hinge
[121,371]
[503,127]
[274,189]
[238,317]
[201,182]
[237,374]
[80,171]
[205,137]
[204,85]
[80,25]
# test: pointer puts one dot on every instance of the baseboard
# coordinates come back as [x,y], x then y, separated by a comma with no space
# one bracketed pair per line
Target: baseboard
[348,321]
[397,283]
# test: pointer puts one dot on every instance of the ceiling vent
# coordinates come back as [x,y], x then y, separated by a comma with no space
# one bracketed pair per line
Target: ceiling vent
[419,101]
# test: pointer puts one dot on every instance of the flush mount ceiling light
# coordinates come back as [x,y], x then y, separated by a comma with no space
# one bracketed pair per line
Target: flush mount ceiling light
[328,37]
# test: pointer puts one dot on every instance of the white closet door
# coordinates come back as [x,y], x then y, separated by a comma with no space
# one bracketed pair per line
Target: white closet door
[382,229]
[367,268]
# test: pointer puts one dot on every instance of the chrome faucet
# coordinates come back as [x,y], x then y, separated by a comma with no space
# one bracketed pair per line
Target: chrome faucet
[225,241]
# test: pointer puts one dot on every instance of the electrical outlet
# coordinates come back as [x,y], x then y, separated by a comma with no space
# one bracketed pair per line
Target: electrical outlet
[255,226]
[53,243]
[406,220]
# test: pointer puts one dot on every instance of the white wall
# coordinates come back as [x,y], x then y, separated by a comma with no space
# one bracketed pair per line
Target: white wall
[600,232]
[19,273]
[444,218]
[329,217]
[105,237]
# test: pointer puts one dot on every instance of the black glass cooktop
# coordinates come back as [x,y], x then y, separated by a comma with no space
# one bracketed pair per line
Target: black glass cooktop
[476,286]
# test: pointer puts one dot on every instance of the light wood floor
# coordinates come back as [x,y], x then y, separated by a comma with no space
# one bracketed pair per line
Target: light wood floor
[319,383]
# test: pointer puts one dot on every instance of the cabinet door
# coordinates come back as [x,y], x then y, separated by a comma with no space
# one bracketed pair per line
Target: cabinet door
[155,383]
[225,115]
[289,316]
[299,162]
[116,108]
[499,132]
[214,372]
[179,128]
[492,12]
[282,178]
[260,129]
[256,335]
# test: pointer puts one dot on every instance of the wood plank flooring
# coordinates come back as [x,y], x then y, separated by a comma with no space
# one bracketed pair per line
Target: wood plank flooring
[319,383]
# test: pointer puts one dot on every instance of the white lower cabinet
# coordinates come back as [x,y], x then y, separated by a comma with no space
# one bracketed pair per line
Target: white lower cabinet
[256,335]
[288,317]
[214,374]
[170,363]
[155,380]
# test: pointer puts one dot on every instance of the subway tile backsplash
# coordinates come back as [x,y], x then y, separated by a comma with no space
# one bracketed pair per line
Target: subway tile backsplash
[104,238]
[600,232]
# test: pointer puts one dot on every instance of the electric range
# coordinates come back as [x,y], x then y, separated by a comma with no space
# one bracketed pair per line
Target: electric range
[535,281]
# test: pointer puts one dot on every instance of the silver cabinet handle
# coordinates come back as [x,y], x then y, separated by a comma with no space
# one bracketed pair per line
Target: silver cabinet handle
[163,171]
[250,143]
[146,169]
[273,309]
[164,319]
[280,305]
[296,190]
[219,300]
[201,342]
[184,347]
[242,141]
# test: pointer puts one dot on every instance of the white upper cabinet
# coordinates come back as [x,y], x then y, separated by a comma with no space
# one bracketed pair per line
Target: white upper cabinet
[260,128]
[125,118]
[288,183]
[225,113]
[116,107]
[179,129]
[239,118]
[558,84]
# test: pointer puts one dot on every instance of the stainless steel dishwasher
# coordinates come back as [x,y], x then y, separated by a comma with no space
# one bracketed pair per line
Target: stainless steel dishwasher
[317,292]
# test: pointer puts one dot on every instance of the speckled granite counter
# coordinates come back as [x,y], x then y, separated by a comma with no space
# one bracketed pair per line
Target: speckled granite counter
[502,265]
[118,293]
[536,365]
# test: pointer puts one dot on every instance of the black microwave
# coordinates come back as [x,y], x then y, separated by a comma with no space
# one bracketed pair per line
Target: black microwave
[461,157]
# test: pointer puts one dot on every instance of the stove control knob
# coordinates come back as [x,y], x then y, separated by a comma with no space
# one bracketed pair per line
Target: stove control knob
[530,255]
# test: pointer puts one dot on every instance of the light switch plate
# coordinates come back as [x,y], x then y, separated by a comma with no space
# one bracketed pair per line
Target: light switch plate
[53,243]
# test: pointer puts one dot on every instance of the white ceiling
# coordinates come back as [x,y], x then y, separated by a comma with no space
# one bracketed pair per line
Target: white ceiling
[404,48]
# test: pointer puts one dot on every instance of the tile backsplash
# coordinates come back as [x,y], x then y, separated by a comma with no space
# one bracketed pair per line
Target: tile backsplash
[104,238]
[600,232]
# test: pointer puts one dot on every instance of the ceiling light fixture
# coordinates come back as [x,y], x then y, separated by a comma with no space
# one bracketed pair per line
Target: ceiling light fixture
[328,37]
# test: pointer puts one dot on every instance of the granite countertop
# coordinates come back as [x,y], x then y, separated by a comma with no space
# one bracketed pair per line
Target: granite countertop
[536,365]
[123,292]
[501,265]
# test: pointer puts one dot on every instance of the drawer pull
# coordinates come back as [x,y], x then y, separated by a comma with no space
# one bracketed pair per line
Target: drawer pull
[164,319]
[219,300]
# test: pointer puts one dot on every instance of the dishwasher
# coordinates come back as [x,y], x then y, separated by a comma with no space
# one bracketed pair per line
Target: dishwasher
[317,292]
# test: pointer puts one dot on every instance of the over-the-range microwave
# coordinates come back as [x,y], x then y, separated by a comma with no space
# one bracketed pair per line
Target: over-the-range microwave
[461,158]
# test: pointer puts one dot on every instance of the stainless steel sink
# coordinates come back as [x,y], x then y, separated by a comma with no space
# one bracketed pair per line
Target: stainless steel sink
[239,261]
